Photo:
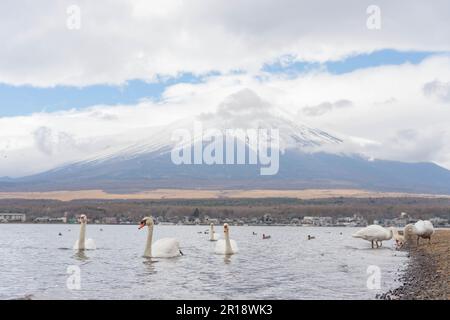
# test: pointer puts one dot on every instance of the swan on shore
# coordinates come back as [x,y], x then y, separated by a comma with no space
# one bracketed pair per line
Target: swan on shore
[82,243]
[163,248]
[375,233]
[226,246]
[422,229]
[213,236]
[399,240]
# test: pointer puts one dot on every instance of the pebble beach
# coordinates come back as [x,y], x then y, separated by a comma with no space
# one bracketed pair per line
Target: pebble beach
[427,276]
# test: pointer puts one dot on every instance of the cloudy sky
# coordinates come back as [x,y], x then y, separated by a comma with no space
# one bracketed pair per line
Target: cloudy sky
[71,85]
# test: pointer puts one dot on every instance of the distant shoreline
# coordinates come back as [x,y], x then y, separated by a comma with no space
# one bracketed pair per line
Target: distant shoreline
[197,225]
[161,194]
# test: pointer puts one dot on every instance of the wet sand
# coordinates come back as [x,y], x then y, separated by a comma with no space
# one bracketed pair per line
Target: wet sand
[427,276]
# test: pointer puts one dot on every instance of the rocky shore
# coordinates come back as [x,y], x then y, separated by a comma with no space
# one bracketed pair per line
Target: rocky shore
[427,276]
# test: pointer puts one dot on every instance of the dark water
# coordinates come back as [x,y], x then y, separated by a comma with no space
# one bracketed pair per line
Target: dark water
[34,261]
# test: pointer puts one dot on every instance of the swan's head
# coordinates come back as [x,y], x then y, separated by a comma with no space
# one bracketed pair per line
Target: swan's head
[83,218]
[147,221]
[226,229]
[399,243]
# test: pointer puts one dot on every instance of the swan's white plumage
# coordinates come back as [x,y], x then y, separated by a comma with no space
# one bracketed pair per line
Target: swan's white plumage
[82,243]
[163,248]
[166,248]
[221,247]
[214,237]
[88,245]
[373,233]
[226,246]
[423,228]
[399,240]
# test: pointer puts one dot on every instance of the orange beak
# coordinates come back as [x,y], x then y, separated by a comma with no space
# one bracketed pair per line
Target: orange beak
[141,226]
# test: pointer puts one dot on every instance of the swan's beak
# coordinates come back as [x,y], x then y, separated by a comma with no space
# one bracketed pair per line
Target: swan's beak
[141,225]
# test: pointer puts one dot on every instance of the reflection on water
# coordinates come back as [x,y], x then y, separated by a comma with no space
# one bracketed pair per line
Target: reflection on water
[149,266]
[287,266]
[80,255]
[227,258]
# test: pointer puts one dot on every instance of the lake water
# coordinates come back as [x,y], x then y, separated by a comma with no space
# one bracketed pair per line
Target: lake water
[34,261]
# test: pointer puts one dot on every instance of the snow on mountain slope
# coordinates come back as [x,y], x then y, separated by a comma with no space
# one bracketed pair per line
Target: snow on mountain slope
[243,110]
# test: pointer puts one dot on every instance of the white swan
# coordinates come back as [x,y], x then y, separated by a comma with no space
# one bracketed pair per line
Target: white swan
[422,229]
[226,246]
[82,243]
[375,233]
[399,240]
[163,248]
[213,236]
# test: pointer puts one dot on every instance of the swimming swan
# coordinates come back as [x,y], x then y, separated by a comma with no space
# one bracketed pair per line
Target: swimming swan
[226,246]
[82,243]
[213,236]
[163,248]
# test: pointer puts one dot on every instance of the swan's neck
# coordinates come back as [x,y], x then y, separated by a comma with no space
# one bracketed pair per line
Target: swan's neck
[395,234]
[82,238]
[148,247]
[228,249]
[211,233]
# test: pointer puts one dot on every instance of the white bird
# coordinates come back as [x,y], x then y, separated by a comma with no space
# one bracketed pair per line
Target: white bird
[374,233]
[82,243]
[422,229]
[163,248]
[226,246]
[213,236]
[399,240]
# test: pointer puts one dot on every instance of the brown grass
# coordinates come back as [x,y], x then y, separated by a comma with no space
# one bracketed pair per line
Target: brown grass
[210,194]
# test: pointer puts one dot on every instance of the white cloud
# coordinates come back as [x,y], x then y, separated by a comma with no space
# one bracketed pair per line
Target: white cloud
[121,40]
[325,107]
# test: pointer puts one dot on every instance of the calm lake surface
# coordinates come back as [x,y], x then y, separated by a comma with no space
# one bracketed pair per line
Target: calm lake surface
[34,262]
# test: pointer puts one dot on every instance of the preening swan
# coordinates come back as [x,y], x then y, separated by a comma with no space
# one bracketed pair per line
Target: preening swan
[213,236]
[82,243]
[163,248]
[422,229]
[226,246]
[374,233]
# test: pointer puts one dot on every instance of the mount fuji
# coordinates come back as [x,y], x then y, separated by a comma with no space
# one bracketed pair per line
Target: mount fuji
[304,161]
